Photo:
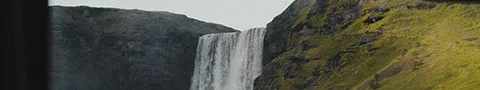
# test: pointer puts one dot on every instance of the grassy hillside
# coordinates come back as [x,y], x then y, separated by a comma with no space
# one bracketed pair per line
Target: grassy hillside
[392,45]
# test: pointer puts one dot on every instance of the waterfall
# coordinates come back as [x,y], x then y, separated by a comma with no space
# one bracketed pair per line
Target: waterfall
[228,61]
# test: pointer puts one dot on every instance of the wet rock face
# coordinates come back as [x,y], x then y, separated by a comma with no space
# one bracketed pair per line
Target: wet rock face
[113,49]
[278,30]
[277,34]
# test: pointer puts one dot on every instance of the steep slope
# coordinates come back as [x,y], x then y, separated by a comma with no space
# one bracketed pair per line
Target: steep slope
[114,49]
[376,44]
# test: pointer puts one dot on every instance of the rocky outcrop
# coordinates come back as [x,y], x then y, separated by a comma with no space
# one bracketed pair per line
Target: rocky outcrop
[278,30]
[301,18]
[114,49]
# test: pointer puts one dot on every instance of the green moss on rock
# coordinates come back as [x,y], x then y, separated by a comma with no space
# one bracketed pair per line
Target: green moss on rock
[430,47]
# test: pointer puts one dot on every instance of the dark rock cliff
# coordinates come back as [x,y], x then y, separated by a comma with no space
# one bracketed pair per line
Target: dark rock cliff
[307,14]
[114,49]
[278,31]
[302,17]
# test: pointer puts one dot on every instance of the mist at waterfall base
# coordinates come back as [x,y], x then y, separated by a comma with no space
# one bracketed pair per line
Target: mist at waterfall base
[228,61]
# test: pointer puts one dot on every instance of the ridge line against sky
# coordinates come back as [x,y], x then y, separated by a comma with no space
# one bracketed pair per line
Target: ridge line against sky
[237,14]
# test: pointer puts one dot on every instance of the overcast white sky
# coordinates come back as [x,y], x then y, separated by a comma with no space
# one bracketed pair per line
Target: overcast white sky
[238,14]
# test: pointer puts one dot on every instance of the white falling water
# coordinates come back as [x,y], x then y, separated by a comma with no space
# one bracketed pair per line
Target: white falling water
[228,61]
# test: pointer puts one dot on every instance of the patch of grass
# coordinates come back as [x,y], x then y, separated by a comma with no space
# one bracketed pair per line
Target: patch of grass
[442,29]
